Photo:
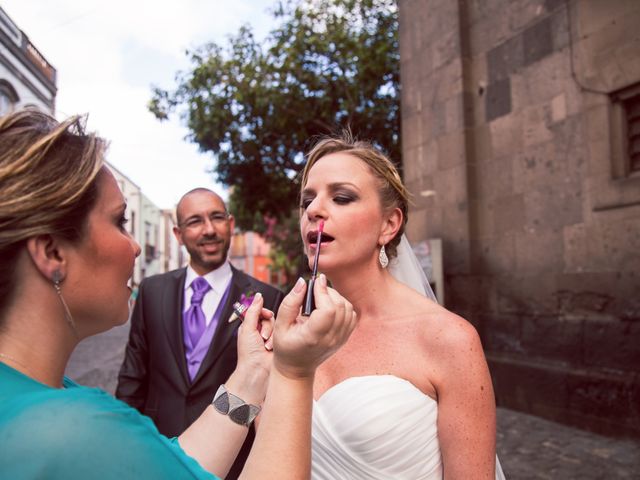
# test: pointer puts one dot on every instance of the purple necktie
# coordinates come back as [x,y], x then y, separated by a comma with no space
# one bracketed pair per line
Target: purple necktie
[195,320]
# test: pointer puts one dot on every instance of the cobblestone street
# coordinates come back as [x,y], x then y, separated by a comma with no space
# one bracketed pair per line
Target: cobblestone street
[529,448]
[532,448]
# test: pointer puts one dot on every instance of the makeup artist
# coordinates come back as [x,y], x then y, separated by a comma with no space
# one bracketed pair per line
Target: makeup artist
[66,260]
[181,345]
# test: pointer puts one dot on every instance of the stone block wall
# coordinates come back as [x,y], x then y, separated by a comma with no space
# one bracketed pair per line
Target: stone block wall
[507,117]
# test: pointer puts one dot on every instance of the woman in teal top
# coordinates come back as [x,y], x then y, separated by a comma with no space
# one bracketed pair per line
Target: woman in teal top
[76,431]
[66,260]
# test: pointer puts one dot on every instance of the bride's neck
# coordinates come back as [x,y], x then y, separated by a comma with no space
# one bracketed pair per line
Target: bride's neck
[368,291]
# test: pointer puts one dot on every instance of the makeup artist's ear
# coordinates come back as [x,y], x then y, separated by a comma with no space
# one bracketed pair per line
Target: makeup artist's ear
[48,255]
[390,226]
[232,223]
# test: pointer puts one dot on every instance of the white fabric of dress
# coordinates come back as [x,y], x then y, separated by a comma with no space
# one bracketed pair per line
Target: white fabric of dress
[377,427]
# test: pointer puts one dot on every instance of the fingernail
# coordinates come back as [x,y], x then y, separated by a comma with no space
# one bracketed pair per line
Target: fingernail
[265,335]
[322,280]
[299,285]
[257,296]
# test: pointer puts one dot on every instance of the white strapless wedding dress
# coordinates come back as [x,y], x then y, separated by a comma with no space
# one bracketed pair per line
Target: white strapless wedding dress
[376,427]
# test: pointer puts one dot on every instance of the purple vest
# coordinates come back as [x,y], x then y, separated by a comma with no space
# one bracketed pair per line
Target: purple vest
[195,353]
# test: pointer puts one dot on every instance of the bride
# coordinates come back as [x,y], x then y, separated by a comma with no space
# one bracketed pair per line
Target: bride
[409,395]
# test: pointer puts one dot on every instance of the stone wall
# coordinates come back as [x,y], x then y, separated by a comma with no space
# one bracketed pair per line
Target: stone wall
[508,147]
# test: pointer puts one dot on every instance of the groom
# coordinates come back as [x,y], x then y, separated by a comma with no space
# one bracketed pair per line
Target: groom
[181,346]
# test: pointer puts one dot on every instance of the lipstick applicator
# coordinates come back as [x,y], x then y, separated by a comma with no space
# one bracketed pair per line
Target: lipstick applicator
[309,303]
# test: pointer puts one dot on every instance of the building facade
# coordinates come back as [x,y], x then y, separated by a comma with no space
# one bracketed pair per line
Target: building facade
[152,228]
[249,252]
[521,145]
[151,218]
[27,79]
[172,255]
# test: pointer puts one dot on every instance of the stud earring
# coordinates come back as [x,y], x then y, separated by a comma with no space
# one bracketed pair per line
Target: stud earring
[382,258]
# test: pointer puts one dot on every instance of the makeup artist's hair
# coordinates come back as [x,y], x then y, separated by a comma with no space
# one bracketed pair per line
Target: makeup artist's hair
[48,173]
[393,193]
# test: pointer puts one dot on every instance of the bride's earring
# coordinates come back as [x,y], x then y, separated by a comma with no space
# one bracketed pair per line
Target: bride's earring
[382,258]
[57,280]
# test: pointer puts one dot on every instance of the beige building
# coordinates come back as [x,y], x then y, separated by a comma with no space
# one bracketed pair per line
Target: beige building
[521,144]
[152,228]
[172,254]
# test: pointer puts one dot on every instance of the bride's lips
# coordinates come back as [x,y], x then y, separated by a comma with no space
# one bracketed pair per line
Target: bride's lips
[312,238]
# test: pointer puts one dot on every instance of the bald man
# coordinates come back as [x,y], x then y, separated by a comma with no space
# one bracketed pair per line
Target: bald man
[181,345]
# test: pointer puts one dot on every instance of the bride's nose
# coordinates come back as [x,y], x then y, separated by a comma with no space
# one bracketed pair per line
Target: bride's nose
[315,210]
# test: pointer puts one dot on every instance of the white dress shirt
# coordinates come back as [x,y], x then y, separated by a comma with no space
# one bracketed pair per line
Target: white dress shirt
[218,279]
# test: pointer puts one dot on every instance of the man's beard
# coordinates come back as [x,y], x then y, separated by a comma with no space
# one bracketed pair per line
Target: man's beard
[212,263]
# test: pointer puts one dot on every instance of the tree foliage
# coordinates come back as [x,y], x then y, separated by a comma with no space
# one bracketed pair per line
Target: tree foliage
[330,64]
[257,106]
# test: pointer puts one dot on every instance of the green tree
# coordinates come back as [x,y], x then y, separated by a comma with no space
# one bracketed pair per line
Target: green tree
[257,107]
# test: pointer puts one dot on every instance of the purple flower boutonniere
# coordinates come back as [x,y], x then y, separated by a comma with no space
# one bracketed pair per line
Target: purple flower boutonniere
[240,307]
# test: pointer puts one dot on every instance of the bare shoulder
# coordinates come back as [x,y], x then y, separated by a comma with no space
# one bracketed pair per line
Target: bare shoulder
[437,328]
[451,342]
[445,329]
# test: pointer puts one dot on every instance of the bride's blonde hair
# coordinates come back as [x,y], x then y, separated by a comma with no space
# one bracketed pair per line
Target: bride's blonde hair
[393,193]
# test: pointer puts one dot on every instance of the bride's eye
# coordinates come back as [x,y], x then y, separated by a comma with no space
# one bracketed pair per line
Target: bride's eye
[343,199]
[305,202]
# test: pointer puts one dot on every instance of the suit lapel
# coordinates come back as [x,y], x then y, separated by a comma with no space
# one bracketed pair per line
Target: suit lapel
[224,330]
[172,318]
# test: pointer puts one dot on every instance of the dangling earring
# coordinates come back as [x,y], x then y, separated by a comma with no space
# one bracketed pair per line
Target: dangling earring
[57,279]
[382,257]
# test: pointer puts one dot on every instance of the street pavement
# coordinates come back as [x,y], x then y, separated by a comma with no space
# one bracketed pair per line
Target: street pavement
[96,360]
[529,447]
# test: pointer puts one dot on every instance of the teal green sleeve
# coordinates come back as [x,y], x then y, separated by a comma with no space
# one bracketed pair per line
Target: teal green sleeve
[83,433]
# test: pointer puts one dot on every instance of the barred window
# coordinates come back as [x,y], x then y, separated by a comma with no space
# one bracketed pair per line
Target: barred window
[632,107]
[626,131]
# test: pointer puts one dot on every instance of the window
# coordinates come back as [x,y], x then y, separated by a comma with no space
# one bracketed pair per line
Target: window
[625,133]
[8,97]
[633,129]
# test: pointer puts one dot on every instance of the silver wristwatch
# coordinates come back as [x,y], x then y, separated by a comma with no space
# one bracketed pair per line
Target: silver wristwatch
[234,407]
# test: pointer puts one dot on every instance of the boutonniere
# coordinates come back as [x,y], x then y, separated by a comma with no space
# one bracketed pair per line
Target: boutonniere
[240,307]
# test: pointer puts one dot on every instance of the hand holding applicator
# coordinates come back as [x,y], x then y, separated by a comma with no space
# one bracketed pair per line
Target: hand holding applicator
[309,303]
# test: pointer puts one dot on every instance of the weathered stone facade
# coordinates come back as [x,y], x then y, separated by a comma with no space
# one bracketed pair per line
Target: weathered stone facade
[508,116]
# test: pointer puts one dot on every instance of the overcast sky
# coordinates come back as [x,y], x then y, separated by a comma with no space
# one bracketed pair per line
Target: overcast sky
[108,54]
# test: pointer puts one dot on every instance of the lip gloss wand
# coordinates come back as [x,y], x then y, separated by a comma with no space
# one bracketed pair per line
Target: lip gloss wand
[309,303]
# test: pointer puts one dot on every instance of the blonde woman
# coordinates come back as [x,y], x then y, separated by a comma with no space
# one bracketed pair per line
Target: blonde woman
[409,396]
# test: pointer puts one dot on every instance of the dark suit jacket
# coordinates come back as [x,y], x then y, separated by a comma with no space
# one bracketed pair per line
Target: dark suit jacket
[154,378]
